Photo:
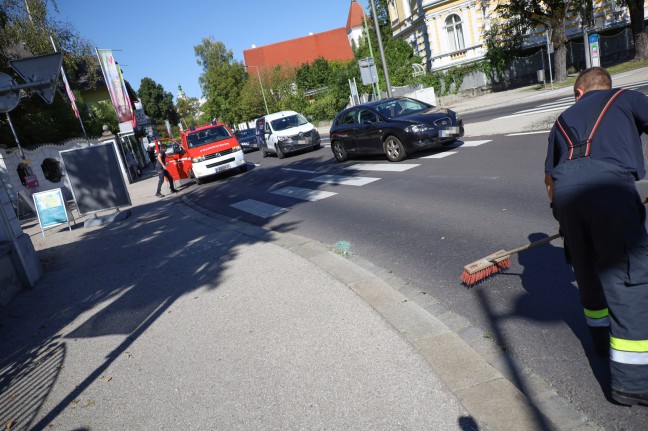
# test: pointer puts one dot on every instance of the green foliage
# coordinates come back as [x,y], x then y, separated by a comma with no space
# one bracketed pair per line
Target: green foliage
[188,110]
[157,103]
[221,81]
[26,35]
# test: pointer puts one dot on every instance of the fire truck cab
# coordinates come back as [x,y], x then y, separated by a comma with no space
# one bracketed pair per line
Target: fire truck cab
[203,151]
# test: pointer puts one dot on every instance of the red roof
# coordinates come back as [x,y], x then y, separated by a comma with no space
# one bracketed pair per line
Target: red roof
[355,16]
[332,45]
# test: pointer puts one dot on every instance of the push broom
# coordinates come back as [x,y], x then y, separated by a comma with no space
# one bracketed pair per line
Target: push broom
[500,260]
[493,263]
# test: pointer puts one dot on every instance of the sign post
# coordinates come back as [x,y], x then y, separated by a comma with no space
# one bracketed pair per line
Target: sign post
[51,209]
[595,54]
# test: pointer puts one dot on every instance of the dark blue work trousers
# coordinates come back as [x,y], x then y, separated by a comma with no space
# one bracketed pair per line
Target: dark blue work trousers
[603,219]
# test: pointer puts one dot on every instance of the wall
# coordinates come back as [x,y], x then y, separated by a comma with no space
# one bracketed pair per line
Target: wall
[10,158]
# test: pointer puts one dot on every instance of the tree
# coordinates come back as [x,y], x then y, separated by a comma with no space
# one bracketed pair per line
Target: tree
[188,109]
[399,55]
[639,35]
[24,34]
[157,103]
[516,17]
[221,81]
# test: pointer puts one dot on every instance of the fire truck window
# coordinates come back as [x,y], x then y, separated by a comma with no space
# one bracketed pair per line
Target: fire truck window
[52,170]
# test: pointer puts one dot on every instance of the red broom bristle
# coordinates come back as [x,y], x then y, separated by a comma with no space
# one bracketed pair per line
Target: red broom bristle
[472,279]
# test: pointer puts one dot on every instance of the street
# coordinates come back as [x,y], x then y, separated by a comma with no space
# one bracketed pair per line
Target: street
[424,219]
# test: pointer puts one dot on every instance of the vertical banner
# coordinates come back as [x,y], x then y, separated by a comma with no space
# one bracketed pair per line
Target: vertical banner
[70,94]
[168,127]
[116,86]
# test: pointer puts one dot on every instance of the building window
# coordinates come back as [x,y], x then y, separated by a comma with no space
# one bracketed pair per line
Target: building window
[455,32]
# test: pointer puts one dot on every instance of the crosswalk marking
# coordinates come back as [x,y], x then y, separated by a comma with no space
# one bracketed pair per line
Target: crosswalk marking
[440,155]
[387,167]
[343,180]
[304,194]
[474,143]
[259,209]
[299,170]
[537,132]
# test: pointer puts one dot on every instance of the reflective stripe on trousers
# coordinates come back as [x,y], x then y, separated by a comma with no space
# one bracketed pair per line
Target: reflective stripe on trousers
[597,318]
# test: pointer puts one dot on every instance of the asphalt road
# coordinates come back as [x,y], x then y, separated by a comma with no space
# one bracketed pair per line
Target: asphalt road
[440,211]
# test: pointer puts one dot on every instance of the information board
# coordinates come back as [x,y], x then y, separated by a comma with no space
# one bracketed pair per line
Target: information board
[95,176]
[50,207]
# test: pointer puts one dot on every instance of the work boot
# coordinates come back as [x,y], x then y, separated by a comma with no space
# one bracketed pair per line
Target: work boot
[601,338]
[159,195]
[630,399]
[174,191]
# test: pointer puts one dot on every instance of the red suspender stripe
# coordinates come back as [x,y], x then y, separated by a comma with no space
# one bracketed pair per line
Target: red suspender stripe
[598,121]
[569,142]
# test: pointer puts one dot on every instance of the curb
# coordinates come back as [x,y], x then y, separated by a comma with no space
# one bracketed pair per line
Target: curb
[468,362]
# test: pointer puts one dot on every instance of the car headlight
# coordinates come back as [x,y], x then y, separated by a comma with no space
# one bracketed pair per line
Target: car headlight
[286,139]
[457,117]
[236,148]
[198,159]
[418,128]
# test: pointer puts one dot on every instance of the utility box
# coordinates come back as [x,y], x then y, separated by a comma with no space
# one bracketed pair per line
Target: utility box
[541,75]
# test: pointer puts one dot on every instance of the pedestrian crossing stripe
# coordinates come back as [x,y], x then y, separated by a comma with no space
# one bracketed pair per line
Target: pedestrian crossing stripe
[304,194]
[386,167]
[474,143]
[259,209]
[440,155]
[344,180]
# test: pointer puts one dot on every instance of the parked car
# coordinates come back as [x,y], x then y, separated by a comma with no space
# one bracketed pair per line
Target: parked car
[284,132]
[247,139]
[395,127]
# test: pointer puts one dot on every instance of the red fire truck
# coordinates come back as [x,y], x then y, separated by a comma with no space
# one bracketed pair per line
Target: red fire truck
[203,151]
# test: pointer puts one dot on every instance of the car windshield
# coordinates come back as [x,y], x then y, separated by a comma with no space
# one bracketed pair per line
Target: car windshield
[284,123]
[399,107]
[245,133]
[207,136]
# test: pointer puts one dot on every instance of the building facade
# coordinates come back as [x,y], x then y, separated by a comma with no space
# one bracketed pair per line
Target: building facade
[449,33]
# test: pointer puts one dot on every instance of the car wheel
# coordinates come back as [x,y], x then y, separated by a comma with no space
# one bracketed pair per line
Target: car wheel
[243,168]
[394,149]
[280,154]
[264,154]
[197,180]
[339,151]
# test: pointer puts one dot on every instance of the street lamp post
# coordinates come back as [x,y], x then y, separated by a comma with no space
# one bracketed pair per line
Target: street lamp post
[262,92]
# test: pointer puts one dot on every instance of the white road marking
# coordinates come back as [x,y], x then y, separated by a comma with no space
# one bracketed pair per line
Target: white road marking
[304,194]
[528,133]
[474,143]
[299,170]
[259,209]
[345,181]
[440,155]
[386,167]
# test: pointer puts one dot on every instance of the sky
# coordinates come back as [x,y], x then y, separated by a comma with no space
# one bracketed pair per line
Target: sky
[156,39]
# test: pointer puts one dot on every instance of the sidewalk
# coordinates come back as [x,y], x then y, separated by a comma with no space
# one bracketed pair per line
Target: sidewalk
[179,318]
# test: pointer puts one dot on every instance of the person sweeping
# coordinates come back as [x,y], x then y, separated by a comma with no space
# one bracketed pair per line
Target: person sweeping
[594,158]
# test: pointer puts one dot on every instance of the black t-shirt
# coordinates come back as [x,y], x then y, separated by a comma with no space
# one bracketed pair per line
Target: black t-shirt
[618,137]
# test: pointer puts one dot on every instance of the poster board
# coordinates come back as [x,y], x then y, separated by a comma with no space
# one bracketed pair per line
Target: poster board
[95,175]
[51,209]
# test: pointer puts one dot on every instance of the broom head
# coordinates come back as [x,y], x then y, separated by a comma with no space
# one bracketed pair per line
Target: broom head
[485,267]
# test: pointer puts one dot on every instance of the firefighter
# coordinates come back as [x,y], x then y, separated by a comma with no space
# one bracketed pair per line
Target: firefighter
[594,157]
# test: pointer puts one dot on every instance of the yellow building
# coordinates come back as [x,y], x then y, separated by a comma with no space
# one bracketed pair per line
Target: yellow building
[448,33]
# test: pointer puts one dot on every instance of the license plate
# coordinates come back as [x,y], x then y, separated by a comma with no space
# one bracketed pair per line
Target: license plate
[448,132]
[221,168]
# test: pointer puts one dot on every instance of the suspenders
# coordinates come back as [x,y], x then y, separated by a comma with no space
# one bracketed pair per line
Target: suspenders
[576,145]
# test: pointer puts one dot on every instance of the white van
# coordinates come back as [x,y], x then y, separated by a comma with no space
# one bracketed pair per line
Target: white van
[284,132]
